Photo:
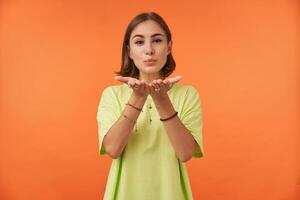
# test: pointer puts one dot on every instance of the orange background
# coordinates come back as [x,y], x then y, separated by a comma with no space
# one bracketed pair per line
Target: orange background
[57,57]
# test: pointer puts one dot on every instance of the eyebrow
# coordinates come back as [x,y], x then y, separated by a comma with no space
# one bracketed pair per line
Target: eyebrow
[138,35]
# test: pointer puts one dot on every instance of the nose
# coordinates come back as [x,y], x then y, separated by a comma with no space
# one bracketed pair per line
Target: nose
[149,49]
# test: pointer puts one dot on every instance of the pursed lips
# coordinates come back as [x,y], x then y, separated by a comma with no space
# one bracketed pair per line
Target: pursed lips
[150,60]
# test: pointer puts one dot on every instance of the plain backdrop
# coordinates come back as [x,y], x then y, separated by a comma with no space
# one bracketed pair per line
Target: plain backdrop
[56,57]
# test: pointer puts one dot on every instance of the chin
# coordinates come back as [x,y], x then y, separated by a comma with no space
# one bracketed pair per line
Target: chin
[151,70]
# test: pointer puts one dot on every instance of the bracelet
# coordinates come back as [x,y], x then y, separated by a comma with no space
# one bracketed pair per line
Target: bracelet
[125,116]
[139,109]
[169,117]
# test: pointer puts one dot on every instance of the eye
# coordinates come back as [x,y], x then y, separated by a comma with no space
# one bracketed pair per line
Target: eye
[139,42]
[158,40]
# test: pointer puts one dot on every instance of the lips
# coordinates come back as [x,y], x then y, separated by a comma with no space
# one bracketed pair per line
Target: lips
[150,61]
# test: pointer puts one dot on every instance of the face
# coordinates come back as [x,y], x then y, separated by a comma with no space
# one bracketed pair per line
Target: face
[148,48]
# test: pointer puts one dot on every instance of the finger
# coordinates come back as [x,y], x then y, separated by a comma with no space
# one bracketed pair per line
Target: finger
[155,85]
[175,79]
[137,83]
[122,79]
[167,83]
[135,86]
[159,81]
[140,84]
[130,83]
[161,84]
[158,85]
[151,87]
[143,85]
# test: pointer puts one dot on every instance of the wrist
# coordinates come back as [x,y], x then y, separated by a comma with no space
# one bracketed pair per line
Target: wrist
[165,108]
[161,100]
[137,101]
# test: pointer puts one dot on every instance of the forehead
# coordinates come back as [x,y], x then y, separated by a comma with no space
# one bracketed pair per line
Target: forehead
[147,29]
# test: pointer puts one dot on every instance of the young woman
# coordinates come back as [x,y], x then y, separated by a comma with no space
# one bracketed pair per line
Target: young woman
[149,125]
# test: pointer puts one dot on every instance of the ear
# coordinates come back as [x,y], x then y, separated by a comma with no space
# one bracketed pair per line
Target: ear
[170,47]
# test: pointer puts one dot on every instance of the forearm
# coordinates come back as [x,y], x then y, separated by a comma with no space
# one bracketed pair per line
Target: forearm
[117,137]
[180,137]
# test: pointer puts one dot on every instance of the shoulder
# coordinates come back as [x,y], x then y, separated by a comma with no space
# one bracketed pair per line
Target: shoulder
[116,93]
[184,90]
[115,89]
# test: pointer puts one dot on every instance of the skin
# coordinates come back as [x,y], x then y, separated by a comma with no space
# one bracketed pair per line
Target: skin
[152,43]
[148,40]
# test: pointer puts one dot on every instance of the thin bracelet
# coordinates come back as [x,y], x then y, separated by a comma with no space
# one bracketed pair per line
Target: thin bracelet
[133,121]
[139,109]
[169,117]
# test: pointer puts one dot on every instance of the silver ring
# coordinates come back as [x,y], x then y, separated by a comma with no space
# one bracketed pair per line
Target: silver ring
[157,89]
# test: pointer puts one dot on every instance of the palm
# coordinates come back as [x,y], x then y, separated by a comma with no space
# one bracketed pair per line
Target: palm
[140,86]
[155,88]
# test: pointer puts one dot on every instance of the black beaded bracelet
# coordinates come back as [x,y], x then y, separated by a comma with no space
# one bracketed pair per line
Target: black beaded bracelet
[169,117]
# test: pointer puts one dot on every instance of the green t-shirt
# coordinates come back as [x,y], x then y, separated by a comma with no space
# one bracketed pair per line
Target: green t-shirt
[148,168]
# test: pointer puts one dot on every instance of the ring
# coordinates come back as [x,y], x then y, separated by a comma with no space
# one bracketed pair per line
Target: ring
[157,89]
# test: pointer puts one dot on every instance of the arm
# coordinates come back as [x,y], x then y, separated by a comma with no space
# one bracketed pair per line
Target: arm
[117,137]
[182,141]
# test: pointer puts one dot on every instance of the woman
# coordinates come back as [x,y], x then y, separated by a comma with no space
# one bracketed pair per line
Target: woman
[148,124]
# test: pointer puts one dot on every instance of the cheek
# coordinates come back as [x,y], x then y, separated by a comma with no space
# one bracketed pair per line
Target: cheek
[163,54]
[135,54]
[163,50]
[137,58]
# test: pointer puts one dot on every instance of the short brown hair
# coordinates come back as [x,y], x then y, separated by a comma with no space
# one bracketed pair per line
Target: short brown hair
[127,67]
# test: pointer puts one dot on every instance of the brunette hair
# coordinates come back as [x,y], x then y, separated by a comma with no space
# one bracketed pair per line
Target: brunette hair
[127,66]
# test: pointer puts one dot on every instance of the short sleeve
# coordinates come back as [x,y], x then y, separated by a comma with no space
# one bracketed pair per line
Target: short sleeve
[191,117]
[107,115]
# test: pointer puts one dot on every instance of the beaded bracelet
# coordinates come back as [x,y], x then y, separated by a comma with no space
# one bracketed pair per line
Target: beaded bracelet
[139,109]
[169,117]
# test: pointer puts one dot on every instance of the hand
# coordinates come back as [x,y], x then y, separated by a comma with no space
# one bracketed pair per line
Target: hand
[156,89]
[140,87]
[159,87]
